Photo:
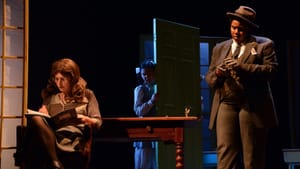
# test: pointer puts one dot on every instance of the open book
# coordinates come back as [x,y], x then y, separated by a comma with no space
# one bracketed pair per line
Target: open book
[59,119]
[36,113]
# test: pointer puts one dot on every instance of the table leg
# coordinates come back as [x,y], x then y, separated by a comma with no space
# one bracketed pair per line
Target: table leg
[179,156]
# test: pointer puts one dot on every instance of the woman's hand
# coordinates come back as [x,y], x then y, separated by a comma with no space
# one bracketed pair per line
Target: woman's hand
[43,109]
[88,120]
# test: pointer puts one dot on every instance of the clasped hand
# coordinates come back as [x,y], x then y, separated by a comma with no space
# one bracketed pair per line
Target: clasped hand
[226,67]
[231,63]
[155,97]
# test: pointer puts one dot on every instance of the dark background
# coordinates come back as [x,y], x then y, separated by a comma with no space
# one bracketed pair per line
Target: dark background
[103,38]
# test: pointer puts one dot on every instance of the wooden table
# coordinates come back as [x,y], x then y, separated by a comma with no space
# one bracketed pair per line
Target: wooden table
[165,129]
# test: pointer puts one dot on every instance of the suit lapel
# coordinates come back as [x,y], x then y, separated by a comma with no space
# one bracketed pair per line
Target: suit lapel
[247,53]
[223,54]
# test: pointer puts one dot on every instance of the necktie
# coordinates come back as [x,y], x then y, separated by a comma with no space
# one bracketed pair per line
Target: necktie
[236,52]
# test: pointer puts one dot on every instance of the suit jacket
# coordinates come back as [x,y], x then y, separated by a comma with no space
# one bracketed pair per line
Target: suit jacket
[258,65]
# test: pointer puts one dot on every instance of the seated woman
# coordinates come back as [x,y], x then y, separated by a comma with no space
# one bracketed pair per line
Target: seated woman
[64,143]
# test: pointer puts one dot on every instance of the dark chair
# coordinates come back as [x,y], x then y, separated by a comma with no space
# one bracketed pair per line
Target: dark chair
[29,154]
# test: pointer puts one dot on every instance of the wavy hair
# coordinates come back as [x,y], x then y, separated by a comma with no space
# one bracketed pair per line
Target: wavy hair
[69,68]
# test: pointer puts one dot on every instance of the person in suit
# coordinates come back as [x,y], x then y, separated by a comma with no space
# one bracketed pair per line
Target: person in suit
[242,107]
[145,99]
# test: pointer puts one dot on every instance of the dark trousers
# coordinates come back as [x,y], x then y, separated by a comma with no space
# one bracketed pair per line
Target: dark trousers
[237,136]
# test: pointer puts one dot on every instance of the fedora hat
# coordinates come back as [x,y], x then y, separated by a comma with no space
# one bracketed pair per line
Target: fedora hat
[245,14]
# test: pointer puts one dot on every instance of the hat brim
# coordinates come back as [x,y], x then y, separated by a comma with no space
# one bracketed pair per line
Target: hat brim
[241,18]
